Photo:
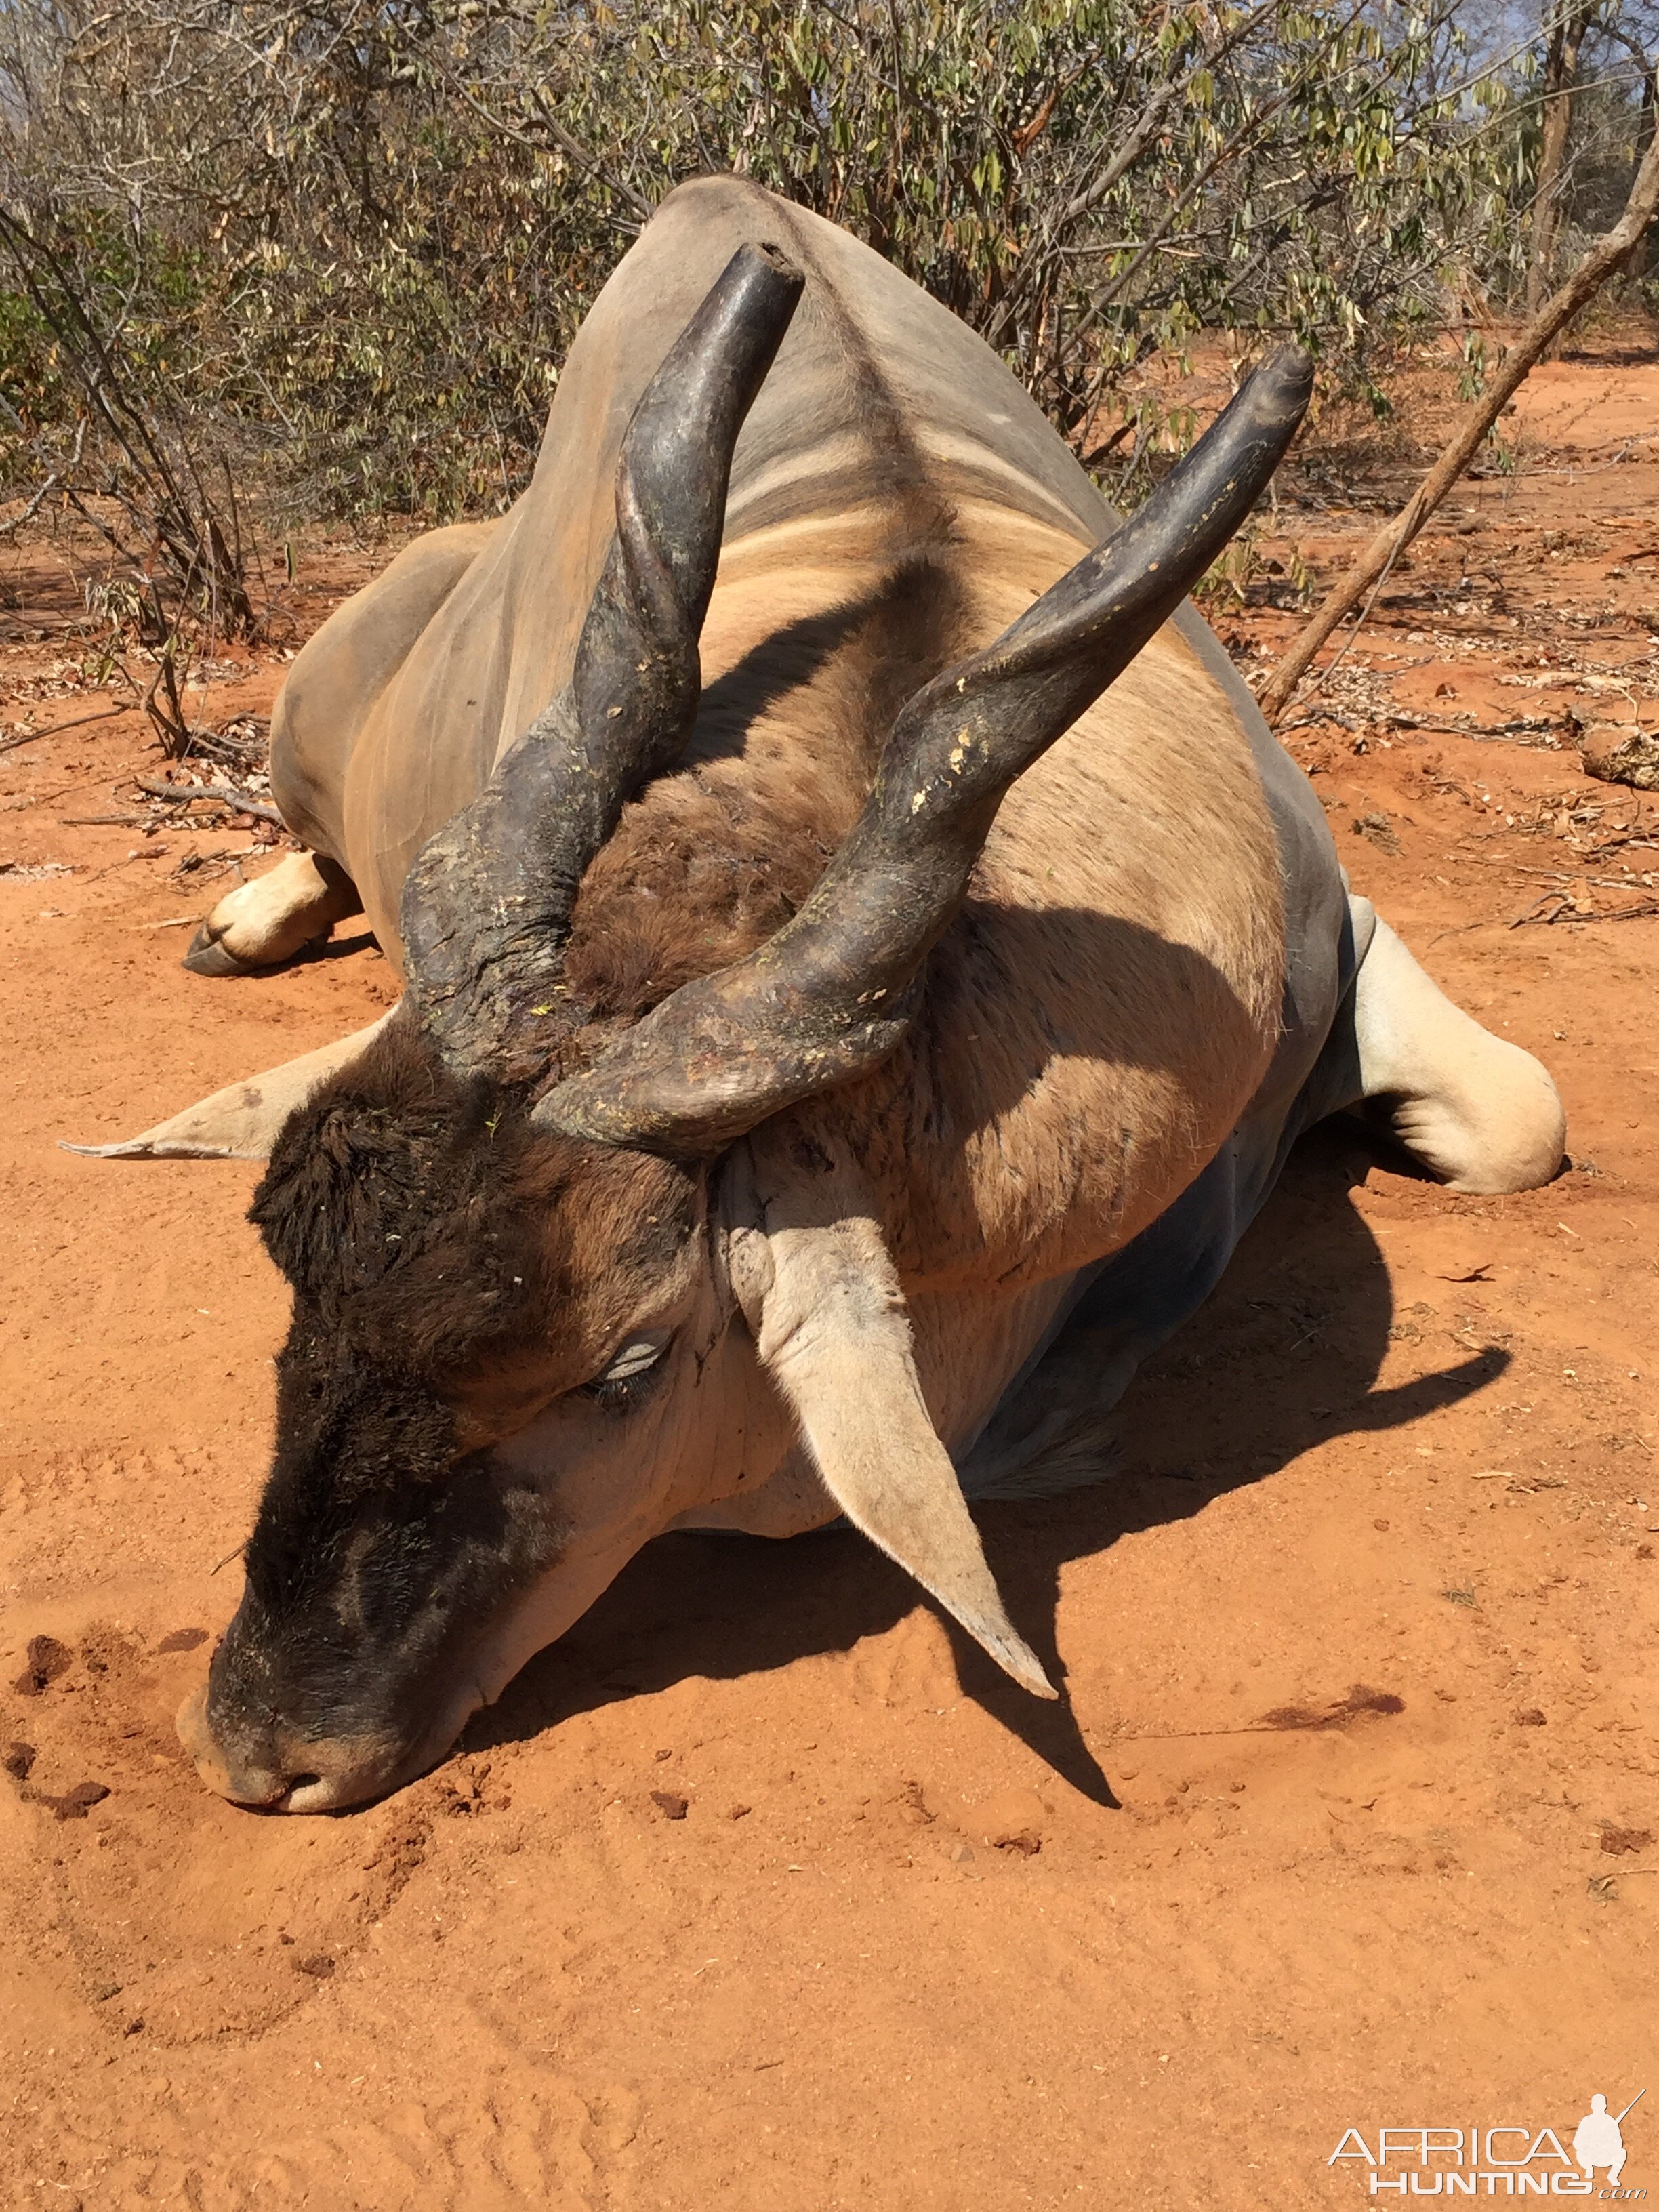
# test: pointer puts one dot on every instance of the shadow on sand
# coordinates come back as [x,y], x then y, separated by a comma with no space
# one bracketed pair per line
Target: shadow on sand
[1284,1356]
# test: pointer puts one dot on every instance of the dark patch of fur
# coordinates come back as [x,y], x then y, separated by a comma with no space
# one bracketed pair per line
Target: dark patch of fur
[358,1179]
[385,1206]
[347,1430]
[712,862]
[435,1240]
[427,1221]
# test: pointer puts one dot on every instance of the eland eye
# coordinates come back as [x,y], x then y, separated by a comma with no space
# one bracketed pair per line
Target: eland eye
[636,1355]
[630,1364]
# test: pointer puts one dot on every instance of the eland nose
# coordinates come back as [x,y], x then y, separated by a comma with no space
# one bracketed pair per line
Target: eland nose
[247,1775]
[261,1789]
[273,1769]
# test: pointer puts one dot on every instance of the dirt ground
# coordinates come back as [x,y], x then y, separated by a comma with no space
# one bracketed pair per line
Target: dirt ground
[1347,1820]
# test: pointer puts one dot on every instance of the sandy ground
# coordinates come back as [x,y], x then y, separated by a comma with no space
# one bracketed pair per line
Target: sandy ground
[1346,1820]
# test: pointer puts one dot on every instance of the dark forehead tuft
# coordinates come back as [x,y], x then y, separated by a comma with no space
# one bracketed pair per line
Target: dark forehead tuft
[391,1155]
[427,1219]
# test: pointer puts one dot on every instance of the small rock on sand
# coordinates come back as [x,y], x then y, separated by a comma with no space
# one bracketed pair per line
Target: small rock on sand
[1013,1820]
[74,1804]
[48,1659]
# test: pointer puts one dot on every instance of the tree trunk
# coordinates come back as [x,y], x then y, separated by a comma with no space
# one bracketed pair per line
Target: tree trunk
[1560,68]
[1604,258]
[1641,254]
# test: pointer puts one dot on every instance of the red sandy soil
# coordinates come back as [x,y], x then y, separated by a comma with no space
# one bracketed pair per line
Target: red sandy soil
[1347,1820]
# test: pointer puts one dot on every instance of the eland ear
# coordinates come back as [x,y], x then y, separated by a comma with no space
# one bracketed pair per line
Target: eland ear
[239,1122]
[822,1296]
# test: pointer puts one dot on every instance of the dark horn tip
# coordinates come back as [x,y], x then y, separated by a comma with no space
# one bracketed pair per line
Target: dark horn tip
[1288,370]
[779,261]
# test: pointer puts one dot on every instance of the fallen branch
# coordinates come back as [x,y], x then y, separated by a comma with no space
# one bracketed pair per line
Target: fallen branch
[28,737]
[1554,875]
[1528,726]
[180,795]
[1567,911]
[1592,272]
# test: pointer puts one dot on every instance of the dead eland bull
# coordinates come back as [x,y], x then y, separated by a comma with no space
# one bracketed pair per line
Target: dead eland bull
[775,1076]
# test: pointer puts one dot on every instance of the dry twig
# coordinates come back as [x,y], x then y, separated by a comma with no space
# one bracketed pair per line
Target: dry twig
[175,794]
[28,737]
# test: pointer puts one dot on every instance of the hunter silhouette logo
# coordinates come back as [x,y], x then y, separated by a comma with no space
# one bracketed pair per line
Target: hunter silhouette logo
[1596,2140]
[1508,2161]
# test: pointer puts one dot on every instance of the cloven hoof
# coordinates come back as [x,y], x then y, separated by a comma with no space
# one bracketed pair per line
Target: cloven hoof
[207,956]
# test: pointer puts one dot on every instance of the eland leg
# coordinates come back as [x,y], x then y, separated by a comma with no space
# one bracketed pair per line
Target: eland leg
[1480,1113]
[261,924]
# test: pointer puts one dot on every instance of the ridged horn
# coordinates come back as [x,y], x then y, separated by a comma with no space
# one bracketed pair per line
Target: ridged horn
[830,996]
[486,908]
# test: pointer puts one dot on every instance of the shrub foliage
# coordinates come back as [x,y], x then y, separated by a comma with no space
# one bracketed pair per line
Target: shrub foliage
[339,247]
